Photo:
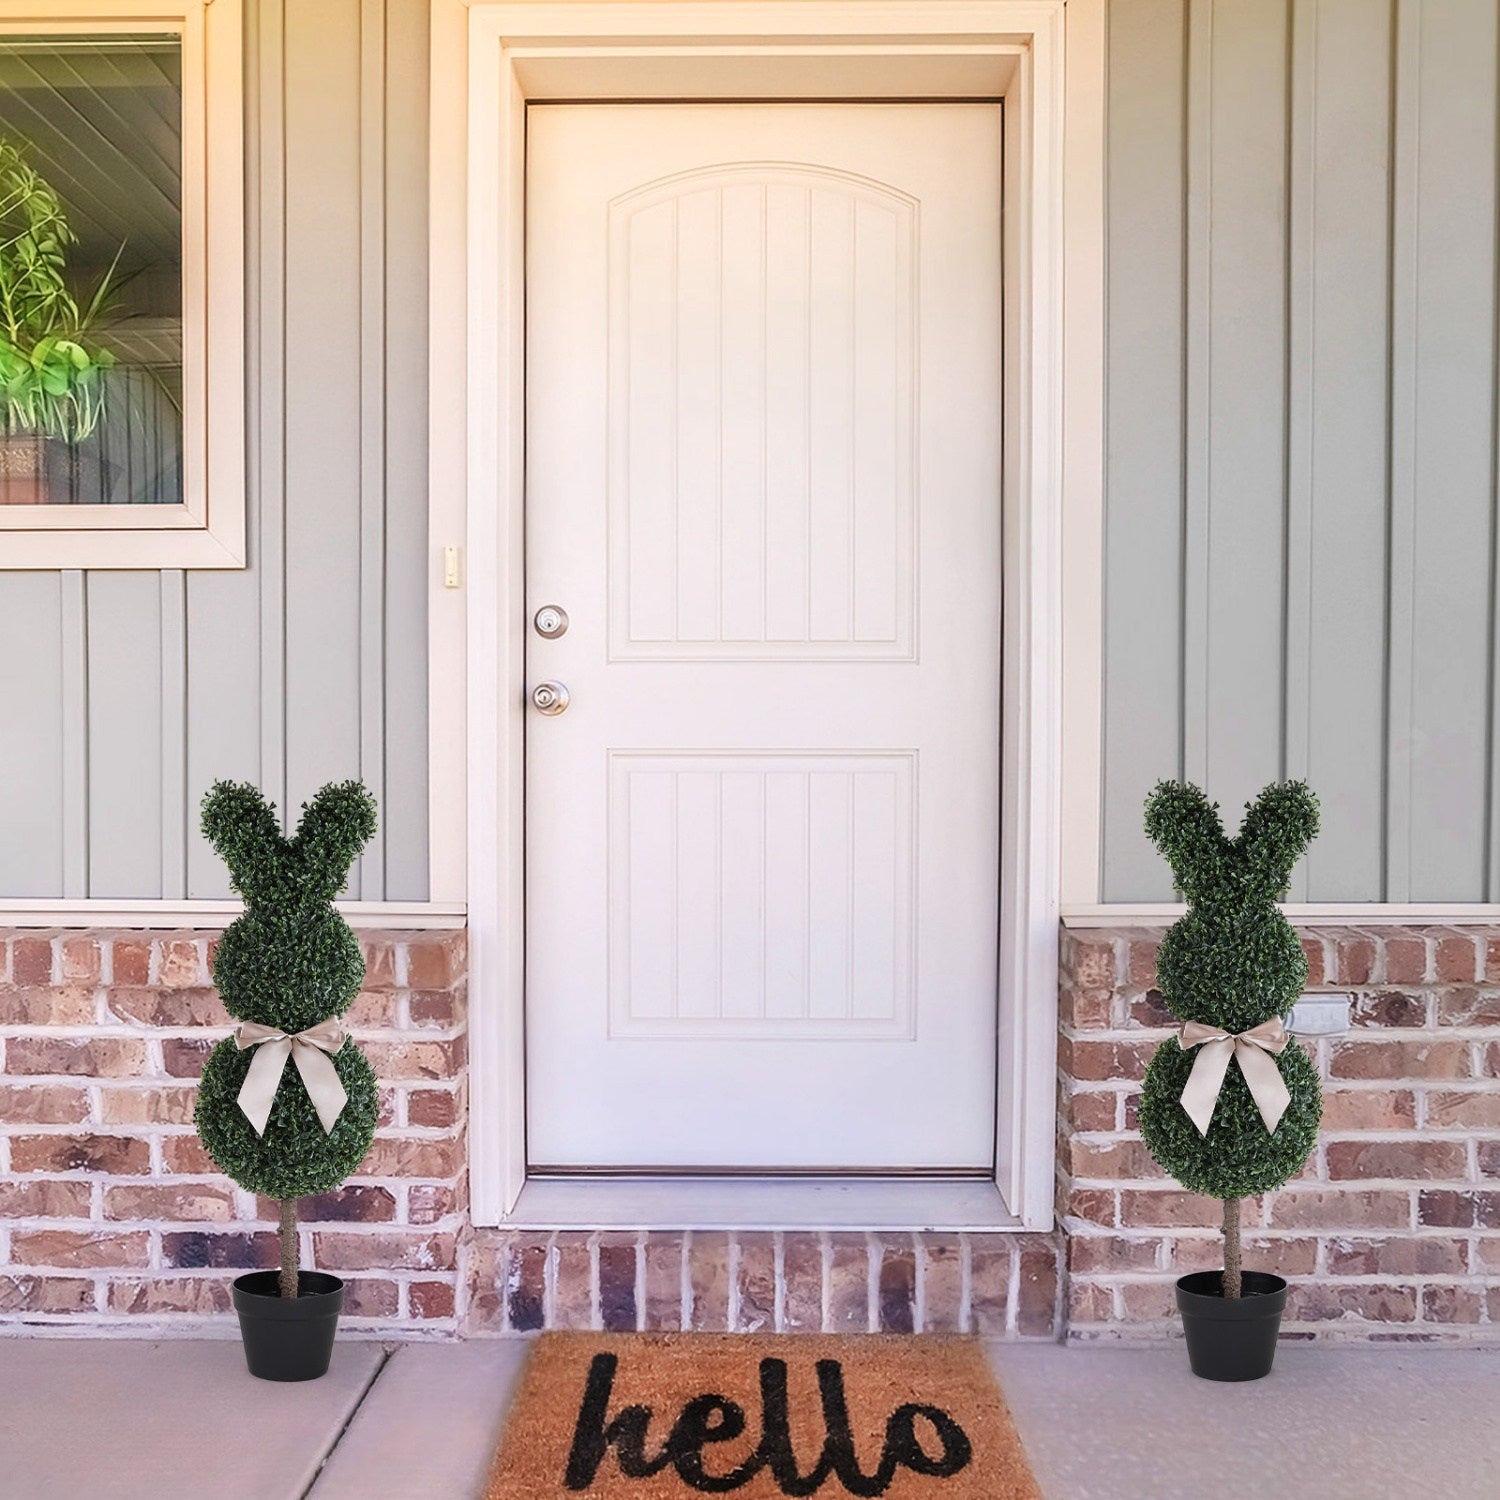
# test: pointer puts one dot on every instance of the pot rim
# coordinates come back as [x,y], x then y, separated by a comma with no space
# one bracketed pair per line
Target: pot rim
[324,1295]
[1199,1293]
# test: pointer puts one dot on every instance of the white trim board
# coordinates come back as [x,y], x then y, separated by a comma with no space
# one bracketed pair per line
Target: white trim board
[404,915]
[1302,913]
[488,60]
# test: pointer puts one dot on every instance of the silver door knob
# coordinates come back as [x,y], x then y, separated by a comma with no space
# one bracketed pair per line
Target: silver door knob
[550,698]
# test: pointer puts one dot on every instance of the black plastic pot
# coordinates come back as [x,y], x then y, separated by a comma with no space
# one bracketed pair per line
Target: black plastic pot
[288,1338]
[1231,1339]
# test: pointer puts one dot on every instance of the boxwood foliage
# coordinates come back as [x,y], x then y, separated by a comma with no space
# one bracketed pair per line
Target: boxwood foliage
[290,961]
[1233,961]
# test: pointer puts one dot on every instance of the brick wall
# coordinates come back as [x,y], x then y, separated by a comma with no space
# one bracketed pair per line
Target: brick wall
[111,1214]
[1393,1229]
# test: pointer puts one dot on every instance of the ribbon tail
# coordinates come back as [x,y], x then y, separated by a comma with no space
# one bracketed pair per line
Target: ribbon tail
[258,1091]
[1267,1087]
[324,1088]
[1201,1092]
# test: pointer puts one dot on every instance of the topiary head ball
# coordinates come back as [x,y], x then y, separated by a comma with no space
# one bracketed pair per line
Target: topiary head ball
[289,962]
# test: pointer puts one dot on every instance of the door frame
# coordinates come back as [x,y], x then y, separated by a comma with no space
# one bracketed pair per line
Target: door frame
[489,60]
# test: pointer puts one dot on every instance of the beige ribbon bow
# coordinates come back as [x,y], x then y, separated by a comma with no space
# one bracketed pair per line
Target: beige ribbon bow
[311,1050]
[1254,1050]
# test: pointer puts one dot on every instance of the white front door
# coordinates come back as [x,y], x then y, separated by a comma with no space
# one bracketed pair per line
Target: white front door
[763,482]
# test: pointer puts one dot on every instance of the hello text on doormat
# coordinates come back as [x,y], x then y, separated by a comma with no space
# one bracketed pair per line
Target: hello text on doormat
[650,1417]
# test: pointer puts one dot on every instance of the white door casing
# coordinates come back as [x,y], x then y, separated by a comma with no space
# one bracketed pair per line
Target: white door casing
[763,480]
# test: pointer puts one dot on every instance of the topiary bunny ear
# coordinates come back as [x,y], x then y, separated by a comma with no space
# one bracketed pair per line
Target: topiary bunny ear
[1185,826]
[1278,827]
[338,822]
[242,827]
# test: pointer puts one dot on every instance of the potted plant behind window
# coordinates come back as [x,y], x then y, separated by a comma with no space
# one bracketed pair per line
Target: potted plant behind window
[287,1104]
[1231,1105]
[51,369]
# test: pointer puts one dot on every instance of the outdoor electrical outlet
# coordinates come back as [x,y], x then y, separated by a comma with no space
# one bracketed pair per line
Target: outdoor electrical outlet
[1320,1015]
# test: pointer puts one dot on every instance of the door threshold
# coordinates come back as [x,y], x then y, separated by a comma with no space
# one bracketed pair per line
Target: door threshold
[810,1203]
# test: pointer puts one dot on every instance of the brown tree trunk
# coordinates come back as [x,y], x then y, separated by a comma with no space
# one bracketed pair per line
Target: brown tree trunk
[1231,1247]
[289,1247]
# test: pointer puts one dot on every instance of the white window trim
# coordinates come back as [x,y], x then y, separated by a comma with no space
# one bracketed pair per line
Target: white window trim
[487,60]
[208,530]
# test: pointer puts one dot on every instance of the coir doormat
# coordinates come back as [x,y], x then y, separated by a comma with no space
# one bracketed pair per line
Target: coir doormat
[673,1416]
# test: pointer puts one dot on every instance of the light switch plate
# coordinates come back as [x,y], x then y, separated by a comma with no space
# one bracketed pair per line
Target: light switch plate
[1319,1015]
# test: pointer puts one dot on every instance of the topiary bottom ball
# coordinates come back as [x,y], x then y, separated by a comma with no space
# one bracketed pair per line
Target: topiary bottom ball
[294,1157]
[1238,1157]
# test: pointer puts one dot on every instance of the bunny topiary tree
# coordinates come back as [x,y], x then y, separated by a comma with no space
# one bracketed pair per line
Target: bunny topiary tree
[287,969]
[1230,1106]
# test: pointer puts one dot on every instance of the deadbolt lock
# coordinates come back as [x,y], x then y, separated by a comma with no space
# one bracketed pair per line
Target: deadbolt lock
[551,621]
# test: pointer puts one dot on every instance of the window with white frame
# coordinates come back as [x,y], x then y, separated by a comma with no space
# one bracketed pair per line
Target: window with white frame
[121,286]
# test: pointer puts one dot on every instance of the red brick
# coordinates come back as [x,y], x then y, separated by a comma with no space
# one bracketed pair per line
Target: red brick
[755,1284]
[663,1305]
[1036,1307]
[1148,1301]
[1492,960]
[802,1277]
[161,1294]
[435,1108]
[1278,1256]
[391,1249]
[1140,972]
[195,1202]
[431,1009]
[431,1299]
[179,964]
[1452,1304]
[394,1156]
[362,1203]
[1489,1061]
[1313,951]
[1340,1208]
[617,1311]
[97,1056]
[1086,1010]
[44,1294]
[573,1288]
[394,1061]
[51,1006]
[372,1010]
[1095,1111]
[1108,1253]
[708,1271]
[942,1271]
[1405,1255]
[1448,1208]
[427,1202]
[1091,1205]
[1399,1159]
[848,1284]
[1091,961]
[1456,959]
[1093,1061]
[131,959]
[233,1251]
[31,960]
[1369,1109]
[1168,1208]
[1354,960]
[1110,1159]
[526,1287]
[1472,1110]
[80,960]
[370,1297]
[166,1105]
[990,1258]
[184,1056]
[119,1155]
[42,1104]
[1149,1010]
[1398,1060]
[179,1007]
[1489,1158]
[1089,1302]
[1392,1008]
[184,1156]
[896,1284]
[44,1200]
[73,1249]
[1405,957]
[1322,1302]
[434,963]
[380,963]
[1464,1005]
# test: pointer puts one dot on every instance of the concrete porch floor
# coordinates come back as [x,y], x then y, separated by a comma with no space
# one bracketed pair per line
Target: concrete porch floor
[85,1420]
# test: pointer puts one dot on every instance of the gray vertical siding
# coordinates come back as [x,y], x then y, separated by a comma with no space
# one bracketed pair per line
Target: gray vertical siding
[1300,552]
[128,693]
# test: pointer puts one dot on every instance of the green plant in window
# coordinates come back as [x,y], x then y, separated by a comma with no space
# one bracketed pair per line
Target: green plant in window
[51,366]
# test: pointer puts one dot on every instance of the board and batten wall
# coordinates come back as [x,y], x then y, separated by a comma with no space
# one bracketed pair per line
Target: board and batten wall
[126,694]
[1300,542]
